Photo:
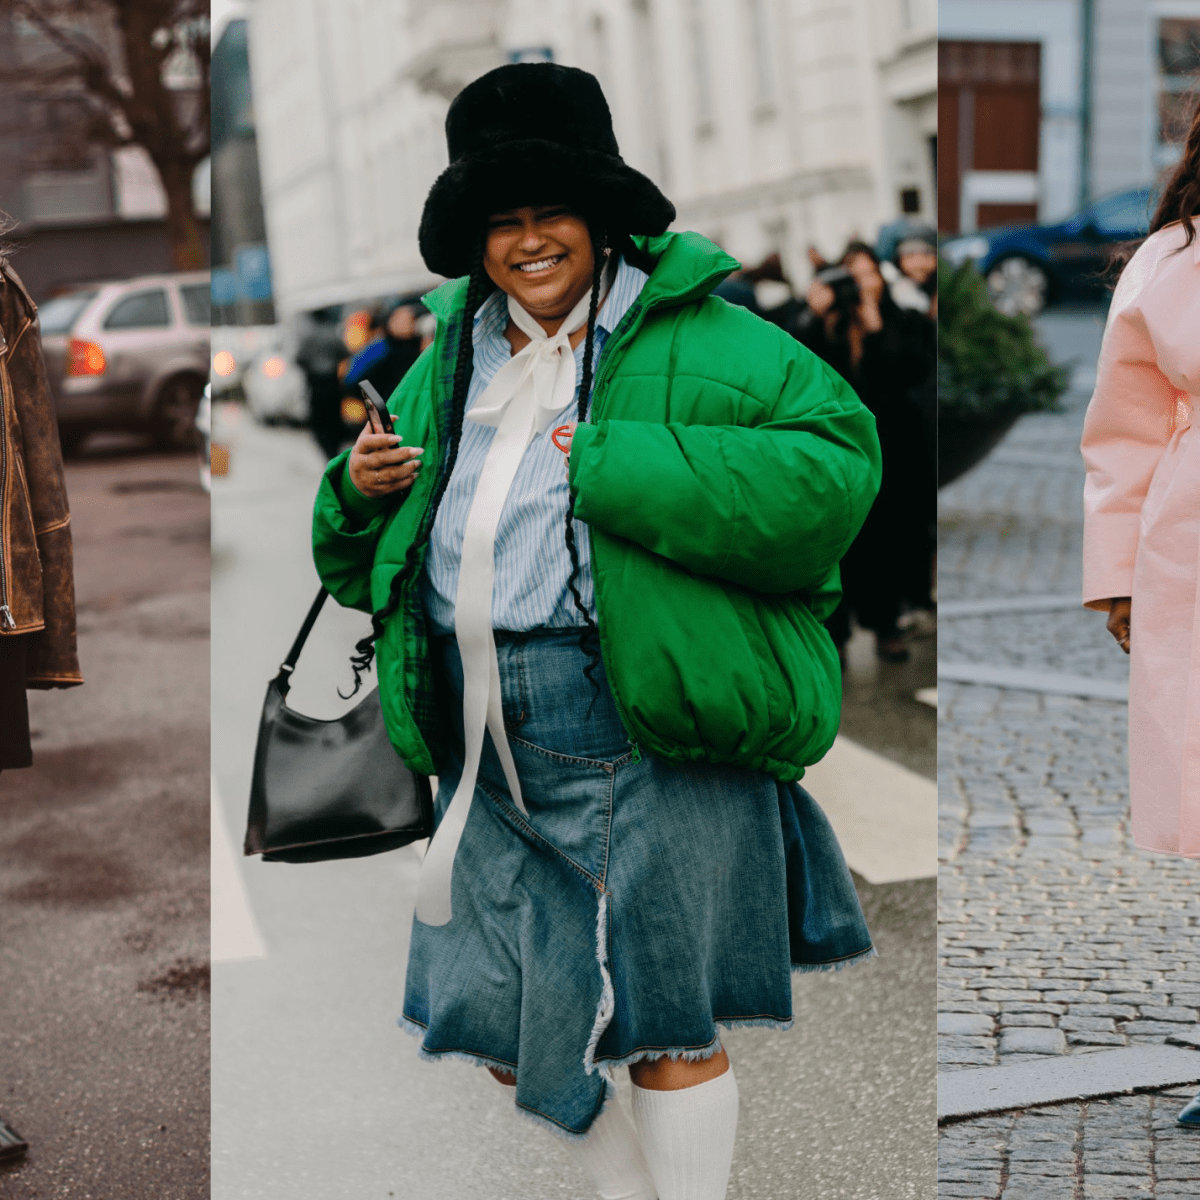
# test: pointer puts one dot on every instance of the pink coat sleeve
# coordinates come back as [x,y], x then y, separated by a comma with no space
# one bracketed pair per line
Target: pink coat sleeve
[1128,426]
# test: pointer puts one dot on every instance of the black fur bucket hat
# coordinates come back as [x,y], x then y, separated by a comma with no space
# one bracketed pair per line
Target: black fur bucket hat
[532,133]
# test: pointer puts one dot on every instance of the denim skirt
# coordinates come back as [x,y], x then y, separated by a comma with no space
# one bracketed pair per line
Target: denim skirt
[641,905]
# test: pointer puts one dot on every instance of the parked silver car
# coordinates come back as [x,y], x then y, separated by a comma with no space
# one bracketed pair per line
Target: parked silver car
[131,354]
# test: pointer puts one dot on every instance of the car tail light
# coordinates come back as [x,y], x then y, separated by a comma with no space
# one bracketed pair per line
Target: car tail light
[356,330]
[85,358]
[354,411]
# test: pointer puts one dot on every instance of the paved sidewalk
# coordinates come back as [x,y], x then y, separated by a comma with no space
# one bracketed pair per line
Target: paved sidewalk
[1057,935]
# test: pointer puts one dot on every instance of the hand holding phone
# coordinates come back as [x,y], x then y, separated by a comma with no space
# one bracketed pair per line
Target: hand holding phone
[378,464]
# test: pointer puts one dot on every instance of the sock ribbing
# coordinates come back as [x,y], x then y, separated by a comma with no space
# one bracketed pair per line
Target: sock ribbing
[688,1137]
[611,1157]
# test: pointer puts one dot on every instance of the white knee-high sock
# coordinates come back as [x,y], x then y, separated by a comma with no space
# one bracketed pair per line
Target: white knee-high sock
[611,1157]
[688,1137]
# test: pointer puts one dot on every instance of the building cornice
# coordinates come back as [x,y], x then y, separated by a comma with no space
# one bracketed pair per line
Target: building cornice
[769,193]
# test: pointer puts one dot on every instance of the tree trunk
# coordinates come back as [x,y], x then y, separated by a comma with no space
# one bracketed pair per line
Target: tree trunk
[187,249]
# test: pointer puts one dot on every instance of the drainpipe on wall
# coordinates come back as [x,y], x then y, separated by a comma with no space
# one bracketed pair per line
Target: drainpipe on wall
[1087,36]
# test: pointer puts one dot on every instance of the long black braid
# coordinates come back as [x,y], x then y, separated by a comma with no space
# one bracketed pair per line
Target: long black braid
[479,286]
[589,639]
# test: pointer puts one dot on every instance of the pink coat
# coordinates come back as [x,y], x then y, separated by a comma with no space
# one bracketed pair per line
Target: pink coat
[1141,534]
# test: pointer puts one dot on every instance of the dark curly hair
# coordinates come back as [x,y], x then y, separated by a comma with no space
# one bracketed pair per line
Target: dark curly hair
[1180,200]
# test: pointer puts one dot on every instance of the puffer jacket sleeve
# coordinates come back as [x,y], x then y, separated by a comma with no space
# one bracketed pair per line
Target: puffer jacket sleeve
[771,506]
[346,524]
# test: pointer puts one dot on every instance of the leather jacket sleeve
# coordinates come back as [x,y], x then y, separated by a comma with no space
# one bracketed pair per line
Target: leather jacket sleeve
[37,583]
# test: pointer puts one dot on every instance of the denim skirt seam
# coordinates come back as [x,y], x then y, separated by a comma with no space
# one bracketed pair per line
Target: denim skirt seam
[511,814]
[604,764]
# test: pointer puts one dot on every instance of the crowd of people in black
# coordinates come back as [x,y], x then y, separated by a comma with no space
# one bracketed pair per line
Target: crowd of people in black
[873,320]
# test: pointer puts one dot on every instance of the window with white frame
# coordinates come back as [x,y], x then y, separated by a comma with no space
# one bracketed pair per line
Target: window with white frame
[1178,84]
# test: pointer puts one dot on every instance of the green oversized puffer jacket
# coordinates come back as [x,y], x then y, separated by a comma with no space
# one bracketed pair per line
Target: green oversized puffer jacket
[723,472]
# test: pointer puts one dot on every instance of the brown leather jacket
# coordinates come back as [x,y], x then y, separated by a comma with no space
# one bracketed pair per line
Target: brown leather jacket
[37,589]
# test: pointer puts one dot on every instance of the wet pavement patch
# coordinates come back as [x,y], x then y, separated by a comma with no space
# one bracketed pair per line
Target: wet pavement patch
[69,776]
[75,872]
[131,487]
[184,979]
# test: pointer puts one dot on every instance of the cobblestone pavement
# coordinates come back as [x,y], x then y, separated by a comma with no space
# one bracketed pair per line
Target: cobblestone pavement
[1057,935]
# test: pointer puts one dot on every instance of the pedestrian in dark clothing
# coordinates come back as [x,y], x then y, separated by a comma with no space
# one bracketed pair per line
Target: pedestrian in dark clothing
[883,352]
[37,589]
[37,586]
[385,361]
[320,352]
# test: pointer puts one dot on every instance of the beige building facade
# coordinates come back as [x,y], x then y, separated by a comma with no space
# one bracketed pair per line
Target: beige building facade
[774,125]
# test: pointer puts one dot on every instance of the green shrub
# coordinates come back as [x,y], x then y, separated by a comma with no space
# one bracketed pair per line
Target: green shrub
[988,363]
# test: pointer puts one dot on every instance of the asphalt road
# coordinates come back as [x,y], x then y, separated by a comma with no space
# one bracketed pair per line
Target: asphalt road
[317,1095]
[104,980]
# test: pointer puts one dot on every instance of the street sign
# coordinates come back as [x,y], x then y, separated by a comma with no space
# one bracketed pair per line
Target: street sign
[253,266]
[224,286]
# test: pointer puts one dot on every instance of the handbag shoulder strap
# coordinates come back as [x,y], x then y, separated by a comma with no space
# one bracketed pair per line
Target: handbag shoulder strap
[293,655]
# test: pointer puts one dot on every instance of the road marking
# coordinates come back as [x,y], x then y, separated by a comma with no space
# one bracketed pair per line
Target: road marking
[885,816]
[995,605]
[980,1090]
[1056,460]
[234,931]
[1018,679]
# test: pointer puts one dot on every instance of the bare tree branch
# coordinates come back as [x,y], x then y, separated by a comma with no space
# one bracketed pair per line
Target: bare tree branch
[125,86]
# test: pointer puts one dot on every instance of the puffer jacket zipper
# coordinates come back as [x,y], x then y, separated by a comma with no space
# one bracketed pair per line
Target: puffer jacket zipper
[6,618]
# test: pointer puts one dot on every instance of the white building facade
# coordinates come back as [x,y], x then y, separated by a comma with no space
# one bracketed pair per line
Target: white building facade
[773,125]
[1109,83]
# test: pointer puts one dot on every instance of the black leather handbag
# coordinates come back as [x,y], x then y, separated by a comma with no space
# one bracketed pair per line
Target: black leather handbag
[329,789]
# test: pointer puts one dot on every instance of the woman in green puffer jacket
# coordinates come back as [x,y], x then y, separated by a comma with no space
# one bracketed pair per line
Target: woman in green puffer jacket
[638,627]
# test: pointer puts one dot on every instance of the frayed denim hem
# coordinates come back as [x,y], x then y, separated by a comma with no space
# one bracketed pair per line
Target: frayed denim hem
[674,1053]
[476,1060]
[759,1023]
[482,1060]
[840,965]
[561,1131]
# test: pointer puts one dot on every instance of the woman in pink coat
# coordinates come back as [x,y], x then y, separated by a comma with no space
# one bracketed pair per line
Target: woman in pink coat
[1141,539]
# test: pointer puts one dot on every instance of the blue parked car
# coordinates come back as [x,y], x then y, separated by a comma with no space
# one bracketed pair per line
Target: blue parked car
[1026,266]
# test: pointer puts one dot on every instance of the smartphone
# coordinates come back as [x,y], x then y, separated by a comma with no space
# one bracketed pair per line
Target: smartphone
[375,404]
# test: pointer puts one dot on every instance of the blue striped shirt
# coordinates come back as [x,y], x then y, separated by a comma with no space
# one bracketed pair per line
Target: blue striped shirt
[532,561]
